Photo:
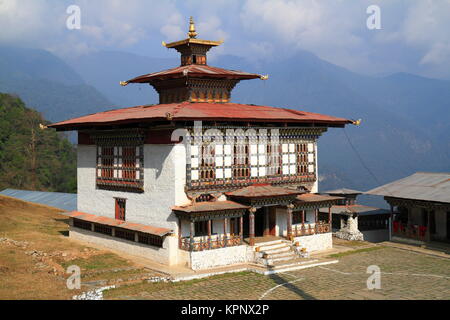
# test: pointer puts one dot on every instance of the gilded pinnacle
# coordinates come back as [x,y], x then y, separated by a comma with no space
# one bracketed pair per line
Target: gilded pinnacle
[192,33]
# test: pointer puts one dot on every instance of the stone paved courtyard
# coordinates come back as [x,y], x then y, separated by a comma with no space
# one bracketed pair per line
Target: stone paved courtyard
[404,275]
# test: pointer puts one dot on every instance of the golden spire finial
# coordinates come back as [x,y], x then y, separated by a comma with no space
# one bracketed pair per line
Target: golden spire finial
[192,33]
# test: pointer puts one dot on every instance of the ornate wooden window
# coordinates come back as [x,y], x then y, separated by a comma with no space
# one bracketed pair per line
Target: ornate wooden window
[103,229]
[125,234]
[256,158]
[82,224]
[150,240]
[120,161]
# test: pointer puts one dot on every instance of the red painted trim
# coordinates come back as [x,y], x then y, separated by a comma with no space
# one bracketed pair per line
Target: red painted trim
[160,137]
[85,139]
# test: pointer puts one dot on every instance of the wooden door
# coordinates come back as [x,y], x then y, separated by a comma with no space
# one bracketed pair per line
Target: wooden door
[120,209]
[272,221]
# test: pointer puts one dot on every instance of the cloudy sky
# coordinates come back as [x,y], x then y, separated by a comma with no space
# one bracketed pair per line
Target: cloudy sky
[414,35]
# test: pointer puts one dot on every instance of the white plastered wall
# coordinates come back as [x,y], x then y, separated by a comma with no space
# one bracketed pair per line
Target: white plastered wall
[164,180]
[281,221]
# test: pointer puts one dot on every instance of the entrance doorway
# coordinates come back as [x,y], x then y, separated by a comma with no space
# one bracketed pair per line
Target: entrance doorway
[260,222]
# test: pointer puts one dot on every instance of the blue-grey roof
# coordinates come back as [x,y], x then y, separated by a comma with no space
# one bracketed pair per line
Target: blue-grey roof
[428,186]
[65,201]
[359,209]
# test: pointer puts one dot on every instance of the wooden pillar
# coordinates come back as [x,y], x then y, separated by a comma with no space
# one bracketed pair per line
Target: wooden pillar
[241,228]
[191,236]
[179,234]
[391,218]
[316,227]
[252,226]
[428,233]
[329,216]
[225,222]
[289,209]
[209,233]
[266,221]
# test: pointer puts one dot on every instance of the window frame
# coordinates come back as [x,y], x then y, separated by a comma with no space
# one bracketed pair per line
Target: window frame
[120,166]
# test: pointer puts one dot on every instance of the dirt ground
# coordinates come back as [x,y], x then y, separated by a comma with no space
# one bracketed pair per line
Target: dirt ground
[35,252]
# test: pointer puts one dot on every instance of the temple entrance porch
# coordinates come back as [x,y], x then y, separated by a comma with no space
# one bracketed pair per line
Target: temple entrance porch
[265,223]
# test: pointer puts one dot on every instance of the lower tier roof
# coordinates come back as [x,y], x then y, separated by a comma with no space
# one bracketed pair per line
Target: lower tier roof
[200,111]
[118,223]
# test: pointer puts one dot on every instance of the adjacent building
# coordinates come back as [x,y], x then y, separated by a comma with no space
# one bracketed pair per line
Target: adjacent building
[420,205]
[199,180]
[354,221]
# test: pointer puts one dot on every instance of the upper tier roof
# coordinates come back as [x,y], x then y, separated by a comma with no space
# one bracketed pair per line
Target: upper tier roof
[194,70]
[200,111]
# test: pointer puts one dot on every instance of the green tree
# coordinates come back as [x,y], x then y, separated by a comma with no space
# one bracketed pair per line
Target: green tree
[33,158]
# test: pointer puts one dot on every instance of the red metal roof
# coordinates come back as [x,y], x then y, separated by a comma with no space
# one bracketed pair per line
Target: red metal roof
[118,223]
[262,191]
[194,70]
[196,111]
[210,206]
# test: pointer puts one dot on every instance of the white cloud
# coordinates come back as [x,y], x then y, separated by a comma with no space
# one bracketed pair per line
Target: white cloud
[427,27]
[334,30]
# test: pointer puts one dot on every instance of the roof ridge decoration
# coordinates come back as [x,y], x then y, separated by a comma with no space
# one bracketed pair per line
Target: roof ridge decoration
[194,80]
[192,38]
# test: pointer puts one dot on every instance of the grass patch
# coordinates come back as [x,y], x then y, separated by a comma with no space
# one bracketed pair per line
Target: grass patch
[100,261]
[346,253]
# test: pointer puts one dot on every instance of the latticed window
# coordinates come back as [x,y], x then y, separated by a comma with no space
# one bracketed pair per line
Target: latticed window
[120,166]
[249,159]
[298,158]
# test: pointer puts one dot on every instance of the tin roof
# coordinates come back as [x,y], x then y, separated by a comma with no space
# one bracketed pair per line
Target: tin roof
[119,223]
[190,111]
[263,191]
[193,71]
[427,186]
[313,197]
[359,209]
[210,206]
[65,201]
[343,191]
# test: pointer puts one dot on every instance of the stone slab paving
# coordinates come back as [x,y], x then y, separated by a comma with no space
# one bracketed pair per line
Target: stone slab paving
[404,275]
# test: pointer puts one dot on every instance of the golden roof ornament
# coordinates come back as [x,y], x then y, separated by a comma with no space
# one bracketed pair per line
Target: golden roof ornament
[192,34]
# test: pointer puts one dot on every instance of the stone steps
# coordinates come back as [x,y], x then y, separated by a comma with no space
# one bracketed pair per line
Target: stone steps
[270,247]
[283,249]
[281,255]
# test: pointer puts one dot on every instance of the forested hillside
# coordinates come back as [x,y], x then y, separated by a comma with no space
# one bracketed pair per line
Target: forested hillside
[33,158]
